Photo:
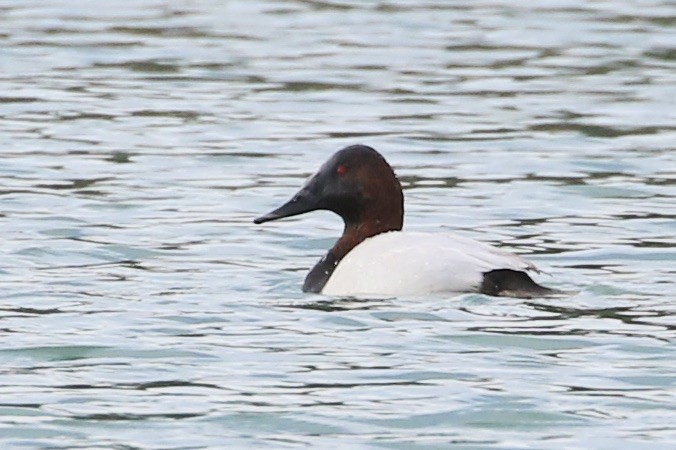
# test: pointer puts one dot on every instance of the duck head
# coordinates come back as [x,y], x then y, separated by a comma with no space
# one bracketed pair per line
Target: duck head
[357,184]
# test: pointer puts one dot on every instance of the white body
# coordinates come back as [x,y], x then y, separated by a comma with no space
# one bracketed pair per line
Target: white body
[414,263]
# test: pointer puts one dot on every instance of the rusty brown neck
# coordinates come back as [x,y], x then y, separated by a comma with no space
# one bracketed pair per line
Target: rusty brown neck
[355,232]
[372,221]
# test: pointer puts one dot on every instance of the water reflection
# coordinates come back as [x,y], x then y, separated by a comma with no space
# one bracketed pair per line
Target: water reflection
[340,304]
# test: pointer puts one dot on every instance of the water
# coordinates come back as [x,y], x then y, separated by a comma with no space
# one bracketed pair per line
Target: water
[141,309]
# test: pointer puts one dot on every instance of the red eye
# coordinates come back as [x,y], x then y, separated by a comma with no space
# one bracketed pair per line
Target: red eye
[341,170]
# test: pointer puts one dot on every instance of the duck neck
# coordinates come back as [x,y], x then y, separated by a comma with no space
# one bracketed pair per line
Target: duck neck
[358,231]
[379,218]
[355,232]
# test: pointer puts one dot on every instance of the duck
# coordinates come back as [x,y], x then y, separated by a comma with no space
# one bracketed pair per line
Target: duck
[375,257]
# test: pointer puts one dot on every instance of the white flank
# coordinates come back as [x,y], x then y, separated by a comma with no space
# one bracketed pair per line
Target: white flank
[414,263]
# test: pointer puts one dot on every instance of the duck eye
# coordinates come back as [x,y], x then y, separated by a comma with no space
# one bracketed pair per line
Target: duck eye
[341,170]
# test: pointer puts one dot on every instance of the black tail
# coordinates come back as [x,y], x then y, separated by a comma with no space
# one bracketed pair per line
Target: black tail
[513,283]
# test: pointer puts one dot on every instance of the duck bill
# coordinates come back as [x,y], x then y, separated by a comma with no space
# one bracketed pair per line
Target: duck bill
[299,204]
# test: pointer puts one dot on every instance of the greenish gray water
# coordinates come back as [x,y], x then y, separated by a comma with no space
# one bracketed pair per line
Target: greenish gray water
[141,309]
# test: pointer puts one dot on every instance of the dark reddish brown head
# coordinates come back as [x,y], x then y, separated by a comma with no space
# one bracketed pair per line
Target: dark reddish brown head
[357,184]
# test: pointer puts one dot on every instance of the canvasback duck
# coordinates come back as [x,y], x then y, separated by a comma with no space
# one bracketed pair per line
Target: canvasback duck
[374,257]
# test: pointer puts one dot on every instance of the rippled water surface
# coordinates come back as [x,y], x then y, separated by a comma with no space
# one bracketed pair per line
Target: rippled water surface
[141,309]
